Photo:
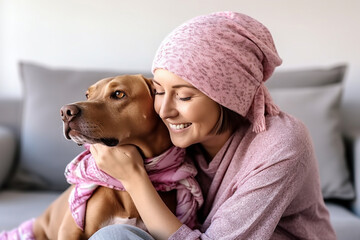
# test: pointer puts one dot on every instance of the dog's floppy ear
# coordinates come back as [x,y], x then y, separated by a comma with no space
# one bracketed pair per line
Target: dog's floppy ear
[149,84]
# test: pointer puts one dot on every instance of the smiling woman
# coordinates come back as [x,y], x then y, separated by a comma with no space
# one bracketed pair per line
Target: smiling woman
[186,111]
[259,177]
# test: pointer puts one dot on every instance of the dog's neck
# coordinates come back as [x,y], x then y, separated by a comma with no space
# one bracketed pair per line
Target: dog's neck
[155,143]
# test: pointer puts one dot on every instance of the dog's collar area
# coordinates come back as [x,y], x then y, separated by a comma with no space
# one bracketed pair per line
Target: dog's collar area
[110,142]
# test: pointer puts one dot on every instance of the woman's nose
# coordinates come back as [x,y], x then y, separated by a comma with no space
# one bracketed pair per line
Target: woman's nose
[167,108]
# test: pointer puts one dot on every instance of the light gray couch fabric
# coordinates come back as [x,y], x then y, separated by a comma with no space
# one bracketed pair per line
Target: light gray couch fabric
[19,206]
[346,224]
[40,152]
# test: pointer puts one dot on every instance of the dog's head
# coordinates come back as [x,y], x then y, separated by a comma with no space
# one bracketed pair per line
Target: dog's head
[118,110]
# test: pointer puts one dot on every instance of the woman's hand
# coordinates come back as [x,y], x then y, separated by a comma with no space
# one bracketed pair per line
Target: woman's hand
[126,164]
[121,162]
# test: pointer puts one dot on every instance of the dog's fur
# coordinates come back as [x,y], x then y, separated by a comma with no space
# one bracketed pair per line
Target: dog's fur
[118,111]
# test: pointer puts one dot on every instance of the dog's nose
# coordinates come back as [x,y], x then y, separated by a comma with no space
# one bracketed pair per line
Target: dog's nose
[68,112]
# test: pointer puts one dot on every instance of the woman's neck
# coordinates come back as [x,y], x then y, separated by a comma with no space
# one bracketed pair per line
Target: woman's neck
[214,143]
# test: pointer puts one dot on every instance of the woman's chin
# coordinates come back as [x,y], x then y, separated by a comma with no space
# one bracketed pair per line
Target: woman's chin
[178,142]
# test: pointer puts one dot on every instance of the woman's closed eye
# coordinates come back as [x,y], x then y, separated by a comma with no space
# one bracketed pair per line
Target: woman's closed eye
[156,92]
[183,97]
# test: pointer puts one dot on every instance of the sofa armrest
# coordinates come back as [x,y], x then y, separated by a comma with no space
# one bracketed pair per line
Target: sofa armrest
[353,149]
[7,152]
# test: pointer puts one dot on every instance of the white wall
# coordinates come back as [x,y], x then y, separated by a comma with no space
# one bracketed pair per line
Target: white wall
[124,35]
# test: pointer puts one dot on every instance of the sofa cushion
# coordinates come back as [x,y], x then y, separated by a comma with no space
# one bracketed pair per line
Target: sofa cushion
[346,224]
[20,206]
[314,96]
[44,151]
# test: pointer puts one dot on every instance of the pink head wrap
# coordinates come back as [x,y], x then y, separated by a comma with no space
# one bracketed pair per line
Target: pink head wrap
[228,56]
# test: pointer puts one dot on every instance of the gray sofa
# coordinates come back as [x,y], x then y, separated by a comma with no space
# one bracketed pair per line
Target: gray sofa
[34,153]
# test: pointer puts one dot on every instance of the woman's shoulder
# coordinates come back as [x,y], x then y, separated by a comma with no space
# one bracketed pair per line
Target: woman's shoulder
[286,137]
[285,127]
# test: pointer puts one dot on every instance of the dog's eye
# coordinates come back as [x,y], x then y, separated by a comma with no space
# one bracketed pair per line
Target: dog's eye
[118,95]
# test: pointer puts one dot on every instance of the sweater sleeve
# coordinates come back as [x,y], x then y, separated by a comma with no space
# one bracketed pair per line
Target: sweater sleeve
[255,203]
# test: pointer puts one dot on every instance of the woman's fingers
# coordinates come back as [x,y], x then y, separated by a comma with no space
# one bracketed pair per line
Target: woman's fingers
[119,162]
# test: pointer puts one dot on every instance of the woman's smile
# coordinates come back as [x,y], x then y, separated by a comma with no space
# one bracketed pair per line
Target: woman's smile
[180,126]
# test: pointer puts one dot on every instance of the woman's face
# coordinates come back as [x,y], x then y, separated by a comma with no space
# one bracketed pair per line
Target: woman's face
[189,114]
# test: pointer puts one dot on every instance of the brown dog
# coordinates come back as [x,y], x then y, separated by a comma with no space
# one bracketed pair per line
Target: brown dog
[118,111]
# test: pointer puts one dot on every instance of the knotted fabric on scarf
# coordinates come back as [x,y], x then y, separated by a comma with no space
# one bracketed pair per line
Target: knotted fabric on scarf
[228,56]
[168,171]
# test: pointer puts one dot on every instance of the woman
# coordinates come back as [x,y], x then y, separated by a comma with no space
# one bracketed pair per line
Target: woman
[256,164]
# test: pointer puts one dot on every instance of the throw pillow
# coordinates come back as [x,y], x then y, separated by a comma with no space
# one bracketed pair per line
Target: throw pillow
[315,99]
[297,78]
[44,151]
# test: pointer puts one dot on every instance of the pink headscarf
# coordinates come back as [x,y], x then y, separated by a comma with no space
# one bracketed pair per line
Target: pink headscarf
[228,56]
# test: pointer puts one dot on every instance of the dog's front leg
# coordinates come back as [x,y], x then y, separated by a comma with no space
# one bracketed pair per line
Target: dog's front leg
[68,228]
[39,229]
[46,226]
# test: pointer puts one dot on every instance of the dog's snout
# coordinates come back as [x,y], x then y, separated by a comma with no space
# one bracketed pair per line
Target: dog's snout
[68,112]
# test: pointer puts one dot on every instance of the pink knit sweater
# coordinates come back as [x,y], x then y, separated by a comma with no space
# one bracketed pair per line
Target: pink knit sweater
[262,186]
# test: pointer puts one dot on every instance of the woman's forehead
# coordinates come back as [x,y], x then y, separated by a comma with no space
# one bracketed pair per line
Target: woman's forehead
[162,77]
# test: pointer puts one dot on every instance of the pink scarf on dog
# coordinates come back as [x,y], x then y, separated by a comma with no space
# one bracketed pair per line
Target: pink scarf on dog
[168,171]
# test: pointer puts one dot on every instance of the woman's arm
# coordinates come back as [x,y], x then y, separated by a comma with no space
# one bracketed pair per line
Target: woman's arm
[248,208]
[126,164]
[251,208]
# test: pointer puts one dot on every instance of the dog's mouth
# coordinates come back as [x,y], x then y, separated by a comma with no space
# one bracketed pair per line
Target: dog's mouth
[79,138]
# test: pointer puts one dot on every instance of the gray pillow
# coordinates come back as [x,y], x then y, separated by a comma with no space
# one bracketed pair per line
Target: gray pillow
[44,152]
[315,99]
[307,77]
